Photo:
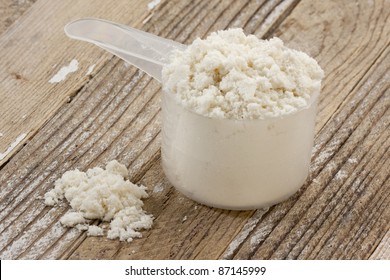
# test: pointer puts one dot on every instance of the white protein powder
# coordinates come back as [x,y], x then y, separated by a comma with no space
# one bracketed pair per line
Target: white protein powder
[95,231]
[72,219]
[238,120]
[104,195]
[231,75]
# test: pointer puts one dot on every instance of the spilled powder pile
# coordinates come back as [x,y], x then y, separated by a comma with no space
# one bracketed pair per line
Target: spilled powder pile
[105,195]
[234,76]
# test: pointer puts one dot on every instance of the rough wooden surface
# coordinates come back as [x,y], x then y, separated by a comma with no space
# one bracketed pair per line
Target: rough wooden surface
[34,49]
[12,10]
[383,249]
[342,211]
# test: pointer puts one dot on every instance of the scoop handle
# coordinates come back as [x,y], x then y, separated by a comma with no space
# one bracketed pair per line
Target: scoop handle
[146,51]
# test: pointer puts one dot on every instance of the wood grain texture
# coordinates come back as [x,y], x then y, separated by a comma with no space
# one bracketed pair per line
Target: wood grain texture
[330,212]
[33,51]
[382,252]
[21,208]
[341,212]
[11,11]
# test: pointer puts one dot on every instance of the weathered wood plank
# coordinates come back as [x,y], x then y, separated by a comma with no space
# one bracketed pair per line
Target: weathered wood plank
[33,51]
[355,133]
[340,176]
[346,37]
[382,252]
[93,134]
[341,212]
[197,237]
[11,11]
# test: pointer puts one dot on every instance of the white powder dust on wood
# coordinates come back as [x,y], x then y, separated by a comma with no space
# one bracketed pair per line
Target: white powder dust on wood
[352,160]
[13,145]
[245,232]
[158,188]
[64,71]
[153,4]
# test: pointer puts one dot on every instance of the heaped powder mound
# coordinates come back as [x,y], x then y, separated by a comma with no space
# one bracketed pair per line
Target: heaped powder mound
[102,194]
[234,76]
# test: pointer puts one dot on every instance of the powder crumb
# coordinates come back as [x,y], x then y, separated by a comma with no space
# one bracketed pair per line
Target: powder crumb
[102,194]
[64,71]
[82,227]
[184,219]
[127,222]
[1,134]
[153,4]
[234,76]
[118,169]
[352,160]
[95,231]
[341,175]
[72,219]
[158,188]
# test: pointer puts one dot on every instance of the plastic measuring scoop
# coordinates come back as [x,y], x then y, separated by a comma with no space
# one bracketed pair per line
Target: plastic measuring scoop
[224,163]
[145,51]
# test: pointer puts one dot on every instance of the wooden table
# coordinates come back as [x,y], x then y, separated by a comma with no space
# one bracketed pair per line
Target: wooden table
[109,110]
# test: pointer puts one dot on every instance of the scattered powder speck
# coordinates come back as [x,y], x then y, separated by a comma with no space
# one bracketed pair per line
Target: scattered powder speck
[90,69]
[103,194]
[184,219]
[1,134]
[153,4]
[82,227]
[341,175]
[158,188]
[72,219]
[95,231]
[13,145]
[352,160]
[322,158]
[64,71]
[259,235]
[127,222]
[245,232]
